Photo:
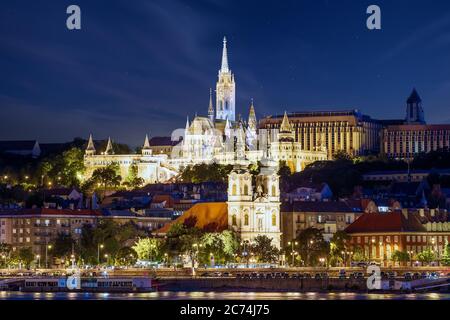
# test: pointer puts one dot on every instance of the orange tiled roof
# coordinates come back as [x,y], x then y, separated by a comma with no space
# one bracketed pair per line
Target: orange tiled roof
[209,216]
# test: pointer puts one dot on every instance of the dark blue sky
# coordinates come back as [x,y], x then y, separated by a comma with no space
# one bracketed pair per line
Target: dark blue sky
[141,67]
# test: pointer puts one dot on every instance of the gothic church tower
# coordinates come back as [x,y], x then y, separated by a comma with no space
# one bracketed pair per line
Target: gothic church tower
[225,89]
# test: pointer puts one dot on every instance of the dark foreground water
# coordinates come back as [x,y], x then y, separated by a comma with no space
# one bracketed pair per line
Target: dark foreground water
[219,296]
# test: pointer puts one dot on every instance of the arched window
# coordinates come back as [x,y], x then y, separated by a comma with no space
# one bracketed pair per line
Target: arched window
[246,190]
[233,220]
[233,190]
[274,219]
[274,191]
[246,219]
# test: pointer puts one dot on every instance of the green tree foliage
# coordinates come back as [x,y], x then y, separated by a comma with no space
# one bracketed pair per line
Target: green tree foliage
[338,247]
[220,245]
[62,246]
[312,246]
[263,249]
[133,181]
[206,173]
[112,235]
[24,256]
[149,249]
[5,254]
[107,178]
[445,260]
[125,257]
[400,256]
[426,256]
[358,254]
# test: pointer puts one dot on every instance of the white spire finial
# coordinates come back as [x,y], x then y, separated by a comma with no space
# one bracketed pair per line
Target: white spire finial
[109,147]
[146,143]
[224,67]
[90,145]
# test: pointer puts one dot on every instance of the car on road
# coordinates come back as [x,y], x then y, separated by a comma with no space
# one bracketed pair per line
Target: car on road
[408,276]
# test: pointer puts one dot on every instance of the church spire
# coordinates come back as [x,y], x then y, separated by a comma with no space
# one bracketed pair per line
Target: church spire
[252,116]
[285,125]
[210,108]
[187,124]
[109,147]
[90,149]
[224,67]
[146,149]
[146,143]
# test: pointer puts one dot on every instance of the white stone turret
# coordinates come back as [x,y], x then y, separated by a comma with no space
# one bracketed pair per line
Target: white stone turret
[90,149]
[146,149]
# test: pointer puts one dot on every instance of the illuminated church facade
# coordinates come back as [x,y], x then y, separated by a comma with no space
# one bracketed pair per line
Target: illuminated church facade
[220,137]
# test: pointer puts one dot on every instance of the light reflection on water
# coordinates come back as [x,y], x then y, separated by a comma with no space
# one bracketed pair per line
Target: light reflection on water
[166,295]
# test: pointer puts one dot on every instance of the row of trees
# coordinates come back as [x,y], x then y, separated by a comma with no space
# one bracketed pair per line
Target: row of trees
[310,249]
[205,248]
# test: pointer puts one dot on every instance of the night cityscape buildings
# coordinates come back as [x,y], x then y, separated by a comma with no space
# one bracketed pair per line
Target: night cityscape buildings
[280,200]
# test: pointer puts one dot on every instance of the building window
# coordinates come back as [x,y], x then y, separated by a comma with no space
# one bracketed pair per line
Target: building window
[274,220]
[273,191]
[233,220]
[233,190]
[246,219]
[246,190]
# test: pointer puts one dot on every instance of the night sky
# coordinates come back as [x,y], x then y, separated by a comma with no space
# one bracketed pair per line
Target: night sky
[140,67]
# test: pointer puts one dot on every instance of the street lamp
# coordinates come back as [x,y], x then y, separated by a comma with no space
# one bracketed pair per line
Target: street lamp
[72,258]
[322,261]
[371,248]
[106,257]
[245,253]
[38,258]
[292,244]
[47,247]
[99,246]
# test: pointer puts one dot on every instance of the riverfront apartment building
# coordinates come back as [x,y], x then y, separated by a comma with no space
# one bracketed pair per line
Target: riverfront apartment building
[36,228]
[328,216]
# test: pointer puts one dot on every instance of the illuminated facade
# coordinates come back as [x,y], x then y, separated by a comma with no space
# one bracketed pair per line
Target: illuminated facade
[404,141]
[348,131]
[218,137]
[255,210]
[151,168]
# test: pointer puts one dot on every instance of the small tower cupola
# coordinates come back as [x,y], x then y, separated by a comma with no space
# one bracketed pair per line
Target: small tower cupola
[252,123]
[414,110]
[90,149]
[109,147]
[146,149]
[286,132]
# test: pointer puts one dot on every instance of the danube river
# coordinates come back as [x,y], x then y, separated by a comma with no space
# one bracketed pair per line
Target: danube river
[170,295]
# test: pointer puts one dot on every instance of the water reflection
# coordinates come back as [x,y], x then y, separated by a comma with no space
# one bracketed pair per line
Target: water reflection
[220,295]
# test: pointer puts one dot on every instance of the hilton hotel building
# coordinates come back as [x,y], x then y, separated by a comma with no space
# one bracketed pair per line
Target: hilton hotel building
[348,131]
